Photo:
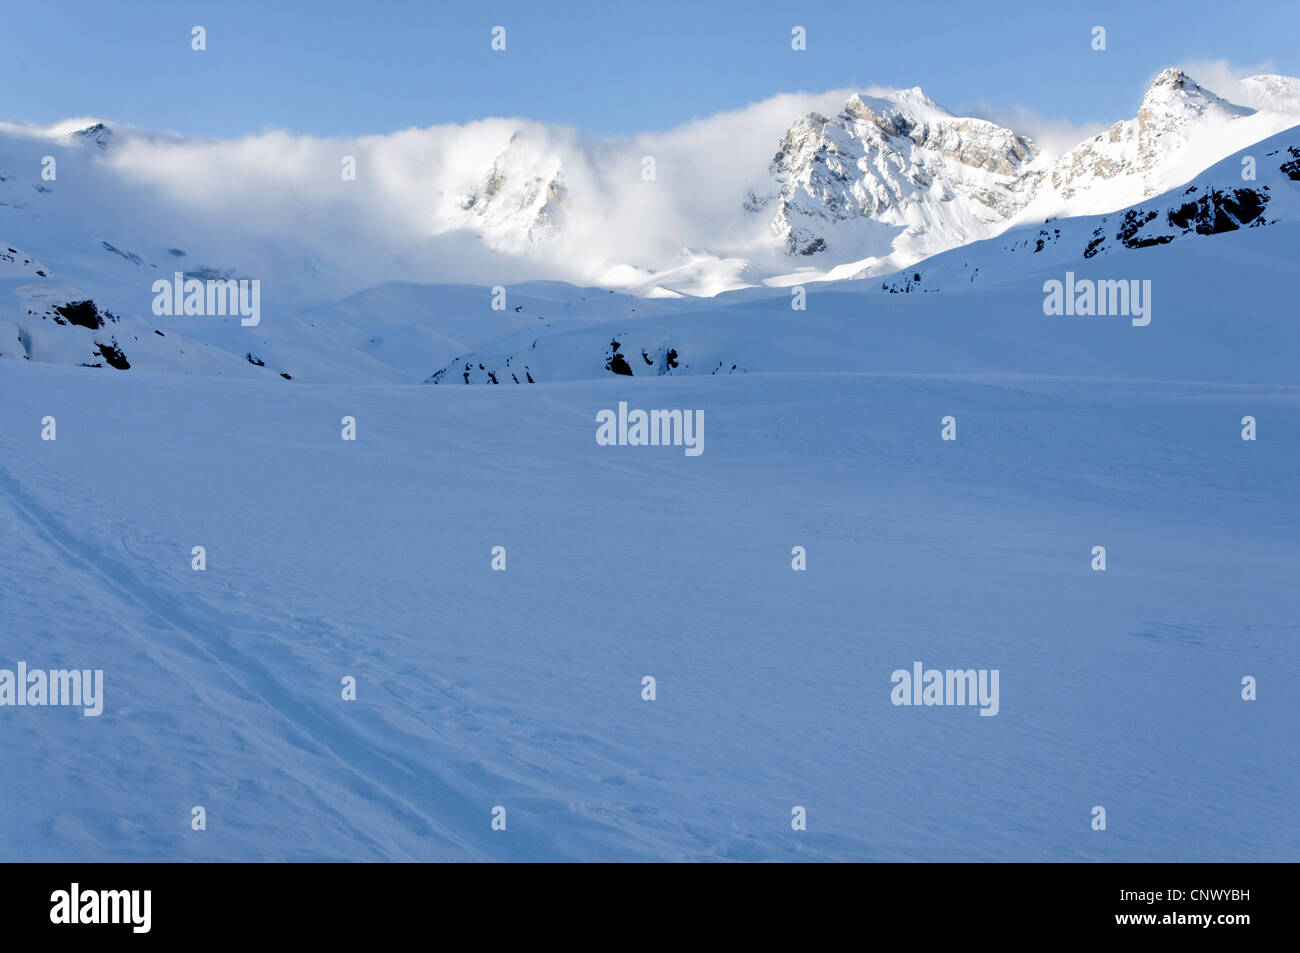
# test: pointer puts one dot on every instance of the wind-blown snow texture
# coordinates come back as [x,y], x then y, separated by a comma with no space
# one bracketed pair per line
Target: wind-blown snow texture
[522,688]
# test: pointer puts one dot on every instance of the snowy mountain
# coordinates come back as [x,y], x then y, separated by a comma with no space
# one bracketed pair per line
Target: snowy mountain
[1179,129]
[92,216]
[851,182]
[518,203]
[1215,202]
[755,332]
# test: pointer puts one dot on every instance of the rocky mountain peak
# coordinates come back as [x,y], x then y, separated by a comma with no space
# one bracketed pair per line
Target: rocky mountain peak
[520,200]
[902,161]
[1174,94]
[1174,110]
[97,134]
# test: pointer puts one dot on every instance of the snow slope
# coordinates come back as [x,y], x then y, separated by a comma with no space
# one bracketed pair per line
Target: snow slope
[522,688]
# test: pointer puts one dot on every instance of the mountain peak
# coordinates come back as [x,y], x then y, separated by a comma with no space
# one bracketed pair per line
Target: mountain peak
[900,160]
[1173,86]
[1173,77]
[99,133]
[1176,112]
[915,97]
[1173,91]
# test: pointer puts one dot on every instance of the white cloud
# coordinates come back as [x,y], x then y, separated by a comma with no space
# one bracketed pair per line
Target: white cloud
[1224,78]
[406,208]
[1053,136]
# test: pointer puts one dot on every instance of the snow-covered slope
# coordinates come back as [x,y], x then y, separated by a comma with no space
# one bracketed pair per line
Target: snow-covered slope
[523,689]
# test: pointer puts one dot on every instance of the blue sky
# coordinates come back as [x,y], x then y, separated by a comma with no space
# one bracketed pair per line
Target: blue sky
[348,68]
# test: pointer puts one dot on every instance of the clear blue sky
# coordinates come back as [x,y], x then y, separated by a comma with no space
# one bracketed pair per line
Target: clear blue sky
[343,68]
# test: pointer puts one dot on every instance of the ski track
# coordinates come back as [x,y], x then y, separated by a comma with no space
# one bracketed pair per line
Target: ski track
[375,759]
